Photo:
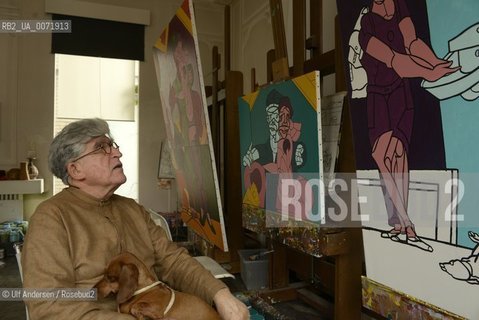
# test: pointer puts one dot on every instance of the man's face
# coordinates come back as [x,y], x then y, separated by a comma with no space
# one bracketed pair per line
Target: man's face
[284,117]
[272,118]
[101,170]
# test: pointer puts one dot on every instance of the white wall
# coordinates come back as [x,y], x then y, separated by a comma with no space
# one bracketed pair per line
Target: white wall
[34,121]
[252,37]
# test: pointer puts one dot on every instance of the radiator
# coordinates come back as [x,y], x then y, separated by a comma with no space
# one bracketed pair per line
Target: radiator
[11,197]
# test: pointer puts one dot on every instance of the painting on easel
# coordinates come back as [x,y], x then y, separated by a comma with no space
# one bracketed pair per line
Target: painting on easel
[180,80]
[413,91]
[281,153]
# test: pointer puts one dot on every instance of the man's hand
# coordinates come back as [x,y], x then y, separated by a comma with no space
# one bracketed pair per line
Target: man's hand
[229,307]
[298,157]
[251,155]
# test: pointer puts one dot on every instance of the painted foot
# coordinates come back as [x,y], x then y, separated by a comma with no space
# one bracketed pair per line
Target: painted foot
[411,234]
[419,243]
[396,231]
[411,239]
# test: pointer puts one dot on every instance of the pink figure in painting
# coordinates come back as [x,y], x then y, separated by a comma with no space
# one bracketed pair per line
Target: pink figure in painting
[185,101]
[289,133]
[188,112]
[393,53]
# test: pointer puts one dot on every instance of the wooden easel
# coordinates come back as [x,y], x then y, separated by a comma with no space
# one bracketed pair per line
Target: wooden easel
[338,273]
[342,248]
[225,129]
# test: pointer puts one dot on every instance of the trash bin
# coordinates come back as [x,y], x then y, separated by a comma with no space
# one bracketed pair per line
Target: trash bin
[255,274]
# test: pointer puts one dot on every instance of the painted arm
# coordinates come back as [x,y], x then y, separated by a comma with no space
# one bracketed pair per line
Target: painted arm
[271,167]
[405,65]
[415,46]
[295,130]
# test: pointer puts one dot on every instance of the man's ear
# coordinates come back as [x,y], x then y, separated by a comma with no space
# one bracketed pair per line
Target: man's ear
[75,170]
[128,282]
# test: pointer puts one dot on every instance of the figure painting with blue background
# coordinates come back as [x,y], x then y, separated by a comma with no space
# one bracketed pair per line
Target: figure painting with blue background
[439,144]
[445,109]
[441,39]
[392,52]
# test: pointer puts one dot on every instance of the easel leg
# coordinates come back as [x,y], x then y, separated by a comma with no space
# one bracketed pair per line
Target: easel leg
[348,296]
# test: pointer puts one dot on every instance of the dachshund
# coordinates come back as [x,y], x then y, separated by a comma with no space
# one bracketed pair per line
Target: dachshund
[139,293]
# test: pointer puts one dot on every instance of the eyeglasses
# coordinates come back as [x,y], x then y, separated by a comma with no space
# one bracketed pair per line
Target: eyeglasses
[105,146]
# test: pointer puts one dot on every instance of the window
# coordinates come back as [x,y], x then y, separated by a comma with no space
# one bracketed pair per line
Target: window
[87,87]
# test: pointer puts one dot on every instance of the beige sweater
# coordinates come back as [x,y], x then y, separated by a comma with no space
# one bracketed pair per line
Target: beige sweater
[72,237]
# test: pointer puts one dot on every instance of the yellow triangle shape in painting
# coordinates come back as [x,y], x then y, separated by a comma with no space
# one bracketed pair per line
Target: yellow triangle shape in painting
[307,85]
[185,19]
[251,196]
[162,42]
[250,99]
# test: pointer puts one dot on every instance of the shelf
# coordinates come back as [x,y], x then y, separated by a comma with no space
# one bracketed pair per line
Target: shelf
[21,186]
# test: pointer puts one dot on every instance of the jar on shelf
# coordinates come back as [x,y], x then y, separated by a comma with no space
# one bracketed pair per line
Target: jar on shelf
[32,169]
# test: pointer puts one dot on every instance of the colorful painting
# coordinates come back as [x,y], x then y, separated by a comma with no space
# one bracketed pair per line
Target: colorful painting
[281,150]
[180,80]
[395,305]
[413,88]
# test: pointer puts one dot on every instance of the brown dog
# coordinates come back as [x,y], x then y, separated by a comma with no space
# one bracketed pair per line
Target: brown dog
[140,294]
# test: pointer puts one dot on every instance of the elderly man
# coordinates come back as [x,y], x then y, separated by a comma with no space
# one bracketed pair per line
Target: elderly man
[74,234]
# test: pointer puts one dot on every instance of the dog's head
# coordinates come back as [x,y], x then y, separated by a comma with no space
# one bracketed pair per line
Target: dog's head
[120,278]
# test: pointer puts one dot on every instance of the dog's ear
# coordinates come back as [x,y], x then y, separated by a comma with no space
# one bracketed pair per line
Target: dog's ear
[128,282]
[103,288]
[109,283]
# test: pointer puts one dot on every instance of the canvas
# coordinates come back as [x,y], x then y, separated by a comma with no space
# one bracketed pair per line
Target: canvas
[280,141]
[413,88]
[180,80]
